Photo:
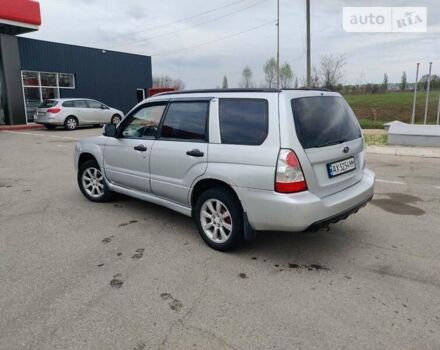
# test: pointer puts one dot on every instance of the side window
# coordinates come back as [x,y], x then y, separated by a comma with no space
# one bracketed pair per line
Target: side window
[186,121]
[94,104]
[243,121]
[144,122]
[80,104]
[68,104]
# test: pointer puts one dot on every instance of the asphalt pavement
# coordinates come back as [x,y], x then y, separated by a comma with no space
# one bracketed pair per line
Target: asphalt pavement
[132,275]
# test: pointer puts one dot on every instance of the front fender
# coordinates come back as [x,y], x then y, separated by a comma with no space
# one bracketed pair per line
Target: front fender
[96,149]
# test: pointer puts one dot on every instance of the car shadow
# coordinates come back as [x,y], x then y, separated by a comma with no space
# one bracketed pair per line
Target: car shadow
[282,247]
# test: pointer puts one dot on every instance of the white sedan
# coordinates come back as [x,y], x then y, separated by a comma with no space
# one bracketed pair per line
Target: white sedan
[73,112]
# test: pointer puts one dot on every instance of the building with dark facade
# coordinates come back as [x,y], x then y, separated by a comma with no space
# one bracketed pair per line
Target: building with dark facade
[34,70]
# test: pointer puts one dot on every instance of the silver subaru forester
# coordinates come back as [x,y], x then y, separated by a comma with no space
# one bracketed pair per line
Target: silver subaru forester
[236,160]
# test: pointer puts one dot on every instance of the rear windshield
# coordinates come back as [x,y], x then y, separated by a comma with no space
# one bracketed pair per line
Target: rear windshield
[48,104]
[322,121]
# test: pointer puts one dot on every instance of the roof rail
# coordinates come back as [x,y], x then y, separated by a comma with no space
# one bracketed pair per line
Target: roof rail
[232,90]
[309,89]
[217,91]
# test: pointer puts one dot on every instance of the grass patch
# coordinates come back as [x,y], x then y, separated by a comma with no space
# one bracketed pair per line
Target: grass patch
[380,139]
[371,123]
[389,106]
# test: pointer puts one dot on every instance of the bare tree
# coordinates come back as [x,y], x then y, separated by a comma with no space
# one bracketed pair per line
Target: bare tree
[286,76]
[225,82]
[316,79]
[331,70]
[246,78]
[296,83]
[165,81]
[270,72]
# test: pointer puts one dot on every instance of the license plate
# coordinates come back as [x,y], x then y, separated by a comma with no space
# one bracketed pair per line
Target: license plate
[41,114]
[341,167]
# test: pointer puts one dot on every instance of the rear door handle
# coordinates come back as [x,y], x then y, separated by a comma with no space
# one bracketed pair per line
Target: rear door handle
[195,153]
[140,148]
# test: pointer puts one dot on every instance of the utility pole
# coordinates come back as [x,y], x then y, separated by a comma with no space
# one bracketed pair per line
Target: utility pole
[309,63]
[427,93]
[415,95]
[278,44]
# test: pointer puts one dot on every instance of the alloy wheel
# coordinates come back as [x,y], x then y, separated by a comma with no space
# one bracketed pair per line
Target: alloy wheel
[71,123]
[93,182]
[216,220]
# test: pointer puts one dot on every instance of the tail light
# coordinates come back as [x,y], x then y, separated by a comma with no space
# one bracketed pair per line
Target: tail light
[289,177]
[54,110]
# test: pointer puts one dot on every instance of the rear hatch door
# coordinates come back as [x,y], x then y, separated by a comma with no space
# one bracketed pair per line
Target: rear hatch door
[44,106]
[330,135]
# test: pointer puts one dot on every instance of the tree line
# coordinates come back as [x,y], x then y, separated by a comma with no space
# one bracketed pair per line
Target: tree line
[327,74]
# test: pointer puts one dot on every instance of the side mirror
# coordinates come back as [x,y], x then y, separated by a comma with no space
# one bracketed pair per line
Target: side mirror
[110,130]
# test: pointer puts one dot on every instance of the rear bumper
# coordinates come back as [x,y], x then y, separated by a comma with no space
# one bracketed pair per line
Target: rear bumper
[333,220]
[268,210]
[49,120]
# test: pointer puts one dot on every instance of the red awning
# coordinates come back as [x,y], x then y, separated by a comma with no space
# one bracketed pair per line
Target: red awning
[19,16]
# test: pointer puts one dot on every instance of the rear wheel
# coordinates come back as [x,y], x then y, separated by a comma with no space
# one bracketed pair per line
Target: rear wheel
[49,127]
[92,183]
[116,119]
[71,123]
[219,218]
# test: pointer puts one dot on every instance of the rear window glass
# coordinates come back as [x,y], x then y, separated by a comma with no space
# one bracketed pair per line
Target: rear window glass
[48,104]
[243,121]
[186,121]
[324,121]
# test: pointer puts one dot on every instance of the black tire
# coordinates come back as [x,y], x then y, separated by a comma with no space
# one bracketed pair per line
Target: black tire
[71,123]
[93,164]
[232,204]
[49,127]
[116,118]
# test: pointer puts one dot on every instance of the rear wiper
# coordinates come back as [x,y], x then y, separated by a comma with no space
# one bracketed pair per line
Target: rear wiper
[332,143]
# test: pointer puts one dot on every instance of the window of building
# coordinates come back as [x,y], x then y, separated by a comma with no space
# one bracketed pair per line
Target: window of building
[39,86]
[32,98]
[48,79]
[243,121]
[47,93]
[2,97]
[186,121]
[31,79]
[66,80]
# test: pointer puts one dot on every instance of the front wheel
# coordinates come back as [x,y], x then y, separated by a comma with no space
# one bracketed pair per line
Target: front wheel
[92,183]
[219,218]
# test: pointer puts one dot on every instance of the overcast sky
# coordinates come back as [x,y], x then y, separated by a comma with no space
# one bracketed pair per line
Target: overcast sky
[200,41]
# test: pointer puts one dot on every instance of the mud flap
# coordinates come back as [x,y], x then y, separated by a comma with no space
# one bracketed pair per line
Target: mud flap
[248,231]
